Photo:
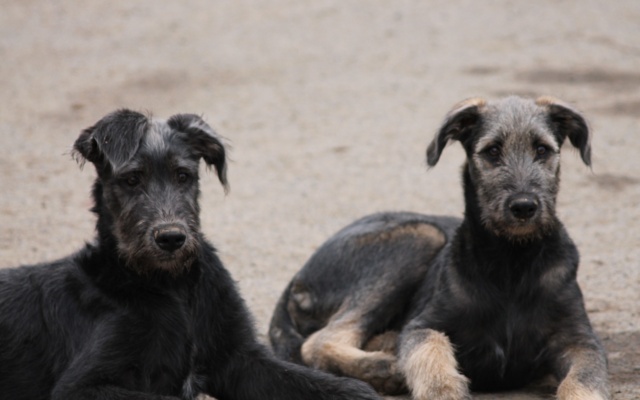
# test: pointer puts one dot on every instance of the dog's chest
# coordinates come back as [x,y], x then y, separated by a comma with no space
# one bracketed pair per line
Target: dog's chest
[502,349]
[166,352]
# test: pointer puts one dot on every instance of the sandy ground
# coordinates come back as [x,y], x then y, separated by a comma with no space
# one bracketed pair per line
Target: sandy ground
[328,106]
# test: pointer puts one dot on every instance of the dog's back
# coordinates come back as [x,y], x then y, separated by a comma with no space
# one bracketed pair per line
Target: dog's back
[38,330]
[377,262]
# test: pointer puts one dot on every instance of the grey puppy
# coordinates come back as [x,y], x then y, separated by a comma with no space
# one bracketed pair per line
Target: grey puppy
[444,305]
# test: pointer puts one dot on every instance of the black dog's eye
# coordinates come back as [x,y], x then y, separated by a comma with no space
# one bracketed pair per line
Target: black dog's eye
[132,180]
[183,177]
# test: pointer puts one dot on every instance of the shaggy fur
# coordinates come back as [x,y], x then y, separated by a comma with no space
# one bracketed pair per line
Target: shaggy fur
[488,303]
[147,311]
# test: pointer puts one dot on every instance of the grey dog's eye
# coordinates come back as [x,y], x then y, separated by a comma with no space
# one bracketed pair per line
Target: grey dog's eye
[541,151]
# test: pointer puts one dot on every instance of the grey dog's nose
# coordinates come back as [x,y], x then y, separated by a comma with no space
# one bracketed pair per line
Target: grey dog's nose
[169,238]
[523,207]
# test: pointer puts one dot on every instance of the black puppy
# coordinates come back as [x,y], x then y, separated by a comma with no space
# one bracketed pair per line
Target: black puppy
[147,311]
[490,301]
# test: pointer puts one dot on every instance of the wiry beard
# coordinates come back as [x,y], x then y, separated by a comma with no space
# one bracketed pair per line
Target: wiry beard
[147,262]
[522,234]
[495,217]
[140,253]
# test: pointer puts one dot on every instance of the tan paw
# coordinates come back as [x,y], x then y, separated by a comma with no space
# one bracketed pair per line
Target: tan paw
[570,389]
[431,369]
[443,387]
[381,371]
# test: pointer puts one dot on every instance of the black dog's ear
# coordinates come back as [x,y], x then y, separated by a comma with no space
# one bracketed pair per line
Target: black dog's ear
[463,118]
[114,139]
[204,142]
[567,122]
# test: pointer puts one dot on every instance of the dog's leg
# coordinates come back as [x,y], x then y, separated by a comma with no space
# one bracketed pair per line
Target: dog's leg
[104,393]
[285,339]
[91,377]
[586,374]
[386,342]
[428,361]
[255,374]
[337,348]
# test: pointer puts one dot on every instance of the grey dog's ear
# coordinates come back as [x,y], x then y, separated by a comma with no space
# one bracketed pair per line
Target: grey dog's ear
[567,122]
[203,141]
[114,139]
[463,119]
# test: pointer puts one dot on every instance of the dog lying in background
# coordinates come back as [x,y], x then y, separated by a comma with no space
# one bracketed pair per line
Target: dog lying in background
[147,311]
[444,305]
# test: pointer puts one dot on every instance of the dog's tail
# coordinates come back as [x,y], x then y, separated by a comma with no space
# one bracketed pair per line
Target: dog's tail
[285,339]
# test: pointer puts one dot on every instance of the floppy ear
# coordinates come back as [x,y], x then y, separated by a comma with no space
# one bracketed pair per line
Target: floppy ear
[114,139]
[203,141]
[567,122]
[463,119]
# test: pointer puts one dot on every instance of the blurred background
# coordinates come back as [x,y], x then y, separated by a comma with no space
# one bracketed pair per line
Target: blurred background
[328,107]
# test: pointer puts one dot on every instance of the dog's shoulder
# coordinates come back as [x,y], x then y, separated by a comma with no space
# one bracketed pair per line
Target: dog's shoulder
[223,324]
[215,283]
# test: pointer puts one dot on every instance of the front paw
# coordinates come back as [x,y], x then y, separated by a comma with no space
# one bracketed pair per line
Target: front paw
[443,386]
[571,389]
[431,368]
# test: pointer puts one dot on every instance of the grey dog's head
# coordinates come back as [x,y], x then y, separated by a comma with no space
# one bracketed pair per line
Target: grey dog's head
[513,158]
[147,188]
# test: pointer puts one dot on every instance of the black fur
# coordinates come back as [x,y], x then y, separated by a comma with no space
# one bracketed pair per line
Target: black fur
[102,325]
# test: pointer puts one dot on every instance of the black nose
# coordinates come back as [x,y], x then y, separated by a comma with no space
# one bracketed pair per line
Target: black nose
[169,238]
[523,207]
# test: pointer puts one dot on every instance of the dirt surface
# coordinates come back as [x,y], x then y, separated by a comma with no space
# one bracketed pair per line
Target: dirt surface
[328,106]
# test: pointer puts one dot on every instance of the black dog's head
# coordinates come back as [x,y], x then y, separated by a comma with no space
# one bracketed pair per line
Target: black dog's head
[513,159]
[147,188]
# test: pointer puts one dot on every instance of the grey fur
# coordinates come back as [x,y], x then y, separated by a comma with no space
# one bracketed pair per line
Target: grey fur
[518,130]
[489,302]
